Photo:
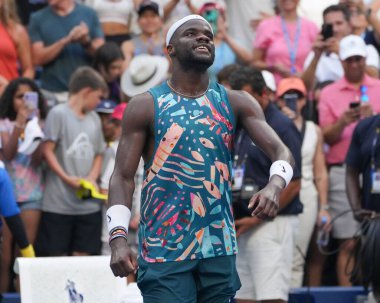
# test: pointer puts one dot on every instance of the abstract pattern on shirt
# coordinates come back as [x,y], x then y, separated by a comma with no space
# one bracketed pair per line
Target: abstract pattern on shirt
[186,195]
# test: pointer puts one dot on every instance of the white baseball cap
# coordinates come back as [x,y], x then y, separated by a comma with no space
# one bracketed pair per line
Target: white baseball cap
[352,45]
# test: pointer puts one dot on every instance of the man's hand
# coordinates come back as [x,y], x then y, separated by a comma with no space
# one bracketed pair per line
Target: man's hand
[332,45]
[319,46]
[361,214]
[366,110]
[265,203]
[245,224]
[123,259]
[350,115]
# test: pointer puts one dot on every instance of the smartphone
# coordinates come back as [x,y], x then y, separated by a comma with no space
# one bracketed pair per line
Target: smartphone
[31,102]
[354,104]
[327,31]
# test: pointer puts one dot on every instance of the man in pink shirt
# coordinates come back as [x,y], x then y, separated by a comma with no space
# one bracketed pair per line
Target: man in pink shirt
[342,104]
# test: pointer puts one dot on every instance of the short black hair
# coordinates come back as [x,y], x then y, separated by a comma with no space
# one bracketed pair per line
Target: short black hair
[106,54]
[226,71]
[6,101]
[248,75]
[338,8]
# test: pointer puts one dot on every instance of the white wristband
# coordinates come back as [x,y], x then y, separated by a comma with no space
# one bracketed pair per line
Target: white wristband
[118,216]
[283,169]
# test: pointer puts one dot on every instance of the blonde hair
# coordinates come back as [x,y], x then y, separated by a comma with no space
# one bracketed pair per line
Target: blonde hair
[8,13]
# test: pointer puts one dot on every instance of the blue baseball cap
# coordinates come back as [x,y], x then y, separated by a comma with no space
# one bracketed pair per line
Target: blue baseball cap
[106,107]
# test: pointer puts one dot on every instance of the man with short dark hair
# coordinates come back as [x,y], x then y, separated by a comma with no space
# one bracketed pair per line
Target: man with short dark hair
[73,150]
[266,249]
[184,130]
[323,64]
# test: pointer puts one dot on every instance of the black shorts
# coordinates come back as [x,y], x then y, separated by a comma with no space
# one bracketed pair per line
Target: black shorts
[64,234]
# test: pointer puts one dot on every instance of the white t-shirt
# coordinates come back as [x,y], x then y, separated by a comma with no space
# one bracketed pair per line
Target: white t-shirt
[330,68]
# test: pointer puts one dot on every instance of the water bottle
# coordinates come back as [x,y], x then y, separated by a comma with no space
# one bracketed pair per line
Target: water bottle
[323,237]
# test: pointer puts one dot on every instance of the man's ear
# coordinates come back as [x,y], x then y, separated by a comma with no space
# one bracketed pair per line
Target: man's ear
[171,50]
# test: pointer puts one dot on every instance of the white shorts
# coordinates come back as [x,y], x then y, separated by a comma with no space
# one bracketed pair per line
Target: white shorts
[264,261]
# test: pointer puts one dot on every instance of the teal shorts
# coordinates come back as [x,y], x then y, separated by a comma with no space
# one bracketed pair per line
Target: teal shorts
[211,280]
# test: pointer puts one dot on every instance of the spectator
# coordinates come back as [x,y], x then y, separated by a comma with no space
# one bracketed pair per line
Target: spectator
[11,214]
[115,18]
[224,74]
[373,37]
[314,183]
[265,248]
[363,163]
[73,150]
[323,64]
[76,36]
[283,42]
[337,120]
[151,39]
[245,16]
[108,61]
[105,109]
[227,50]
[24,169]
[14,46]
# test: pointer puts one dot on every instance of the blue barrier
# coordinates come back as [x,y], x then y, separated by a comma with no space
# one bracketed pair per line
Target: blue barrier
[326,294]
[11,298]
[297,295]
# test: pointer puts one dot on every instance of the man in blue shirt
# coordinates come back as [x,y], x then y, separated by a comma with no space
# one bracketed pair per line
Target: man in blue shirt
[265,248]
[64,36]
[363,158]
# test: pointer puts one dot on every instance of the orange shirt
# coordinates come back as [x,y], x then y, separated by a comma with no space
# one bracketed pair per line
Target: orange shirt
[8,55]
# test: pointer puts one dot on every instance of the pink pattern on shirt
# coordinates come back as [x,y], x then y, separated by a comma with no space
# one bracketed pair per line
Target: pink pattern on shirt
[270,38]
[334,100]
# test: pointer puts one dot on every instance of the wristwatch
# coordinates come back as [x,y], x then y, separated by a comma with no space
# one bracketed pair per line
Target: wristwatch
[325,207]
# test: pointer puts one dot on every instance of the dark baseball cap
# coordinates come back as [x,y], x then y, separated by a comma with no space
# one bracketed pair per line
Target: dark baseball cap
[106,107]
[149,5]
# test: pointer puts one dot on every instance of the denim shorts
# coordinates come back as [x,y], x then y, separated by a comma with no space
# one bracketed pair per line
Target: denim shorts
[30,205]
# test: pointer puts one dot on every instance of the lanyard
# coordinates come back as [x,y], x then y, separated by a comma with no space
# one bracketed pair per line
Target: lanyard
[292,48]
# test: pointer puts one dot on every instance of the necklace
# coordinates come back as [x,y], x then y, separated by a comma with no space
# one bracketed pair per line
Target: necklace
[188,96]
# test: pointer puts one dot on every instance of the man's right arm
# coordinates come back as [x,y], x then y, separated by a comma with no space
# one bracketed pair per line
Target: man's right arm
[136,124]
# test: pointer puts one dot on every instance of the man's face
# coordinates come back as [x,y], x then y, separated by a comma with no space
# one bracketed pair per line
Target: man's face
[354,68]
[193,45]
[341,27]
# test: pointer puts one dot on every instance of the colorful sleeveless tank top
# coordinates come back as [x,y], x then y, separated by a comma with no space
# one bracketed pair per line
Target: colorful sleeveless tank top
[186,210]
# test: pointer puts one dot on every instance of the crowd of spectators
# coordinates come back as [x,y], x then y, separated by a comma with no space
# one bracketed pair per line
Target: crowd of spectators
[313,66]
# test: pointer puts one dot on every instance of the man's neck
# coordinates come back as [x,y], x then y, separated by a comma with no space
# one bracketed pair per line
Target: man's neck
[356,84]
[64,7]
[190,82]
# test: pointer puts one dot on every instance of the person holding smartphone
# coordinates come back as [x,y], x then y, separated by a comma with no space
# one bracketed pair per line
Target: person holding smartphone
[323,62]
[21,101]
[338,116]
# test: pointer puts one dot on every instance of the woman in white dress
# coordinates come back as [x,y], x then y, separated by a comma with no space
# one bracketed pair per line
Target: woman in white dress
[314,182]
